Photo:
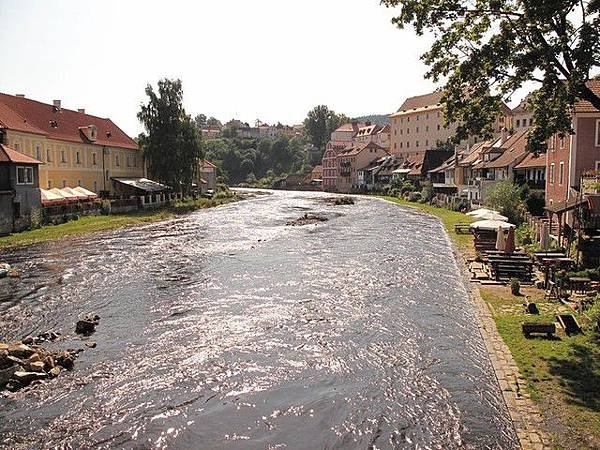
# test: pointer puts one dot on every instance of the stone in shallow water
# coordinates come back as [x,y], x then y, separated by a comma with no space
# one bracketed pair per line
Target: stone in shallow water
[20,350]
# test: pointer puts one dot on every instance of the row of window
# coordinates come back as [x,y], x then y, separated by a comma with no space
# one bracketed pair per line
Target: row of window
[524,123]
[416,130]
[131,161]
[408,144]
[64,184]
[417,117]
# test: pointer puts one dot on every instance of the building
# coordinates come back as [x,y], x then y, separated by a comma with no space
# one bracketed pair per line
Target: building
[522,115]
[570,156]
[211,131]
[75,148]
[329,164]
[19,190]
[353,158]
[346,132]
[208,176]
[418,125]
[380,134]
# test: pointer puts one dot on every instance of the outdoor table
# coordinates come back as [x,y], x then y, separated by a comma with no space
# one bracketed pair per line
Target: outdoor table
[579,284]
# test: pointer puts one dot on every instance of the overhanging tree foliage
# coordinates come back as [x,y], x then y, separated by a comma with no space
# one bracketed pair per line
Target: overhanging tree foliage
[172,145]
[487,49]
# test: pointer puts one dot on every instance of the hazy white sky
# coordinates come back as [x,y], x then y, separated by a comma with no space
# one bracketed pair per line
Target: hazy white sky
[267,59]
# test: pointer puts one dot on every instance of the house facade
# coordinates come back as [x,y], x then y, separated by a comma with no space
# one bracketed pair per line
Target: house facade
[570,156]
[19,190]
[74,148]
[208,176]
[354,158]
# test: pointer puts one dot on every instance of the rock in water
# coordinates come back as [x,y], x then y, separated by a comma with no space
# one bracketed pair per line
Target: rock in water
[85,326]
[20,350]
[25,378]
[37,366]
[55,371]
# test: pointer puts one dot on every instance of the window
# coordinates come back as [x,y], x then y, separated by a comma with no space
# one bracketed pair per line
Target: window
[597,165]
[518,123]
[530,121]
[107,175]
[408,119]
[417,129]
[395,132]
[561,141]
[551,175]
[38,152]
[48,155]
[400,145]
[78,158]
[117,162]
[426,142]
[394,145]
[438,127]
[49,184]
[17,146]
[408,131]
[94,159]
[64,183]
[24,175]
[408,145]
[561,171]
[417,143]
[417,117]
[62,156]
[597,132]
[79,183]
[426,127]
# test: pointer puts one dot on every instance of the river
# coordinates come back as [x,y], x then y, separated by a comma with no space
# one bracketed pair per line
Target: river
[228,329]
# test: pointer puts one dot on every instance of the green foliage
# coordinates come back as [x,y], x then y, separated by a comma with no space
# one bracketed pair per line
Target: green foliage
[505,197]
[172,144]
[407,186]
[535,203]
[427,191]
[250,160]
[320,123]
[515,286]
[488,49]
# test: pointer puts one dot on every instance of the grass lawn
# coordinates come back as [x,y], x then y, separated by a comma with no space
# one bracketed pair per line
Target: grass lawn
[92,224]
[562,374]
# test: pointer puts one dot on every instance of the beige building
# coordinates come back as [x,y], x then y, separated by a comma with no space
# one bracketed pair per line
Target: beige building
[522,116]
[380,134]
[76,149]
[352,159]
[418,125]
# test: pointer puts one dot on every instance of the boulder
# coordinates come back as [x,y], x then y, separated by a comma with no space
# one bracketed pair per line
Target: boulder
[6,374]
[25,378]
[65,359]
[55,371]
[37,366]
[87,325]
[20,350]
[90,344]
[49,362]
[3,346]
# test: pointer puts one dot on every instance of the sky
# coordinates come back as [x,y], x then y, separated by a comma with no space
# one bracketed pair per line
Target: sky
[272,60]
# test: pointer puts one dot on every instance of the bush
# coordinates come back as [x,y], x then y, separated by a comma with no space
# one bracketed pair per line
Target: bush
[105,207]
[407,187]
[515,286]
[594,315]
[535,202]
[505,197]
[414,196]
[427,191]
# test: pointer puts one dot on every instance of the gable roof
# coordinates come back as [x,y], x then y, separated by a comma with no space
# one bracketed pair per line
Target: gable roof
[583,105]
[350,126]
[514,150]
[356,148]
[422,101]
[31,116]
[9,155]
[532,160]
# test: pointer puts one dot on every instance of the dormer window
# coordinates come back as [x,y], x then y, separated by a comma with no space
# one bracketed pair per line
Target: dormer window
[91,132]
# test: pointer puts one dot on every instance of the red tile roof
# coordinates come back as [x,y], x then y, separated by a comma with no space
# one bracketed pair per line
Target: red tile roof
[10,155]
[585,106]
[350,126]
[532,161]
[30,116]
[421,101]
[207,163]
[514,149]
[356,148]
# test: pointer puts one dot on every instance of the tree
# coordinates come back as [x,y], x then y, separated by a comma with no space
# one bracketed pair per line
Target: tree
[200,121]
[213,122]
[488,49]
[320,123]
[171,144]
[505,197]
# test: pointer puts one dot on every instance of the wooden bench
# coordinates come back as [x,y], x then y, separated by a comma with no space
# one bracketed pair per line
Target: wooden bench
[530,328]
[462,228]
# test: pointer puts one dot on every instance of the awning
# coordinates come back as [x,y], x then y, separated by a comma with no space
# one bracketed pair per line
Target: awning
[568,205]
[143,184]
[77,194]
[401,171]
[90,195]
[50,198]
[67,196]
[491,225]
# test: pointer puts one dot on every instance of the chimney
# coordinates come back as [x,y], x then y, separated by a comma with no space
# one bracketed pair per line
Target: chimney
[81,110]
[56,104]
[503,135]
[20,95]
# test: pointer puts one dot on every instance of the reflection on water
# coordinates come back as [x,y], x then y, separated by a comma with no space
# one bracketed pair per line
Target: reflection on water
[227,329]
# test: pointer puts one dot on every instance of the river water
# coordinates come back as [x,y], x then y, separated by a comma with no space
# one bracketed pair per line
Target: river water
[228,329]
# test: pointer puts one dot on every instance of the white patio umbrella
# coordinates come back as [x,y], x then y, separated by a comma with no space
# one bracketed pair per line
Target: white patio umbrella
[480,211]
[491,225]
[492,216]
[500,240]
[84,191]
